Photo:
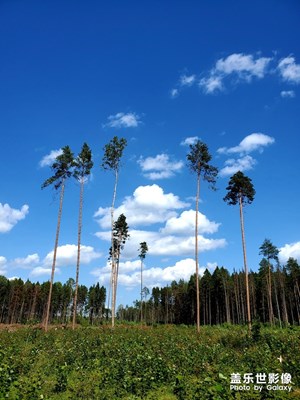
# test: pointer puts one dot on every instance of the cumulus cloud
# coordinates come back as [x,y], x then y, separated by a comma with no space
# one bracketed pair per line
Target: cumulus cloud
[122,120]
[3,261]
[30,260]
[173,237]
[255,141]
[159,167]
[241,164]
[3,264]
[289,70]
[148,205]
[289,250]
[9,217]
[125,267]
[244,65]
[155,276]
[189,140]
[165,242]
[287,93]
[67,255]
[50,158]
[184,224]
[239,66]
[40,271]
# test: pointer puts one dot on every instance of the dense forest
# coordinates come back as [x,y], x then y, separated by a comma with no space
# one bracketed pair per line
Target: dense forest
[222,299]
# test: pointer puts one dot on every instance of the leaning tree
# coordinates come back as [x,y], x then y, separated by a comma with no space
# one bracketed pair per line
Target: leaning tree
[83,165]
[63,169]
[198,162]
[241,191]
[113,152]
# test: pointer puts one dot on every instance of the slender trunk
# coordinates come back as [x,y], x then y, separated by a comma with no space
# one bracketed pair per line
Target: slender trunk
[78,252]
[227,303]
[277,302]
[271,313]
[21,311]
[141,291]
[297,303]
[117,263]
[62,190]
[33,304]
[236,294]
[196,255]
[113,262]
[245,264]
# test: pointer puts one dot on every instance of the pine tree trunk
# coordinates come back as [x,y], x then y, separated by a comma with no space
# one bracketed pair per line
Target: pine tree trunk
[78,252]
[196,255]
[277,302]
[54,255]
[113,262]
[271,313]
[141,291]
[245,265]
[33,305]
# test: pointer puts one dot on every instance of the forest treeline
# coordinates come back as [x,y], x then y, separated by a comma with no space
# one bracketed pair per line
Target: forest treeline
[222,299]
[26,302]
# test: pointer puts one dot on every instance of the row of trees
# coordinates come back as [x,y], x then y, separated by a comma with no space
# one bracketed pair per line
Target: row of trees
[26,302]
[67,166]
[223,297]
[240,191]
[64,167]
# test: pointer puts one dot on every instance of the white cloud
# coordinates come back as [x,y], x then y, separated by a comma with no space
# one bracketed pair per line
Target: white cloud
[232,166]
[148,205]
[39,271]
[3,261]
[287,93]
[159,167]
[211,84]
[155,276]
[125,267]
[244,65]
[50,158]
[189,140]
[174,93]
[3,264]
[28,261]
[239,66]
[163,243]
[67,255]
[9,217]
[289,250]
[179,246]
[185,224]
[187,80]
[289,70]
[255,141]
[122,120]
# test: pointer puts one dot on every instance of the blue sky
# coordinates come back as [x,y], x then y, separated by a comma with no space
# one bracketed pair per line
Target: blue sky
[161,74]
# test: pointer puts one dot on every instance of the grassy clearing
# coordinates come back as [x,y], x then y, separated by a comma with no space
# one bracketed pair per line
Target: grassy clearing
[159,363]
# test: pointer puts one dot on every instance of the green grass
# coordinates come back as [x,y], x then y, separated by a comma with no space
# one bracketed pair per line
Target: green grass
[161,363]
